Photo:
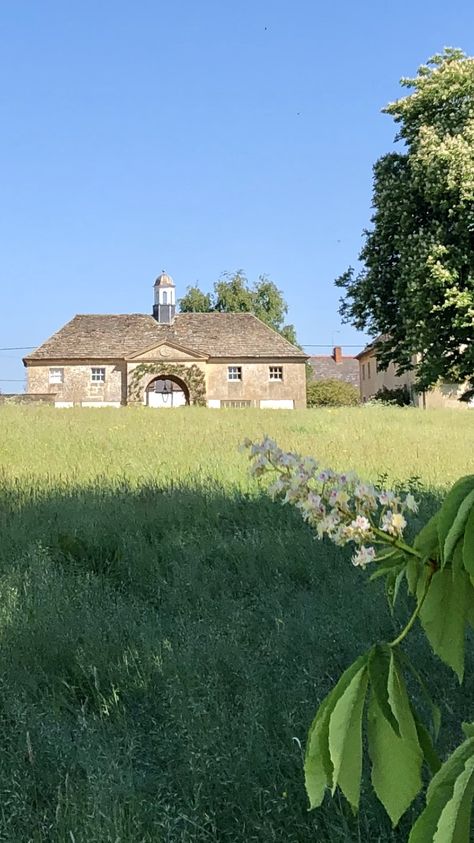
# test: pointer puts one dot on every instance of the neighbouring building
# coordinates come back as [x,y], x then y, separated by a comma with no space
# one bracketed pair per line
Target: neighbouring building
[335,366]
[168,359]
[373,379]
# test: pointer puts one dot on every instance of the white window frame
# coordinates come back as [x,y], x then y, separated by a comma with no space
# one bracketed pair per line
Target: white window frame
[275,373]
[234,373]
[235,403]
[56,375]
[97,374]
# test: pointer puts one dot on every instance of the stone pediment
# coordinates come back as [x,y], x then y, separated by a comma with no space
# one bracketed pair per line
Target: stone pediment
[166,350]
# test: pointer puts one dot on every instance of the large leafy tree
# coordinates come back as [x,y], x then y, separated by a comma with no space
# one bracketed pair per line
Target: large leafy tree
[416,285]
[233,294]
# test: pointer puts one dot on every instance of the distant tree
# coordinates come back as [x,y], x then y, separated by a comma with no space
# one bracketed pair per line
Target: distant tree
[195,301]
[416,287]
[233,294]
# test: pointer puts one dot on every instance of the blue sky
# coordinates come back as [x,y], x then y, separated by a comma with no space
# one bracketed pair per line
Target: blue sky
[197,137]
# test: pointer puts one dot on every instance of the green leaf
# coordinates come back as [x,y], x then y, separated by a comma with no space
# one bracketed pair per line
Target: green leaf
[379,665]
[426,744]
[427,541]
[434,709]
[468,544]
[345,738]
[318,767]
[392,587]
[468,729]
[457,529]
[413,572]
[447,815]
[396,759]
[443,616]
[383,570]
[449,509]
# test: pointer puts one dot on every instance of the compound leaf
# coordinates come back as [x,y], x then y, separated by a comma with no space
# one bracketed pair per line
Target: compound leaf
[345,738]
[318,766]
[396,759]
[447,815]
[379,665]
[450,507]
[468,544]
[457,528]
[443,616]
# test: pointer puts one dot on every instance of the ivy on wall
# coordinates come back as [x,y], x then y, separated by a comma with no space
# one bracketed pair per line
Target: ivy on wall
[192,377]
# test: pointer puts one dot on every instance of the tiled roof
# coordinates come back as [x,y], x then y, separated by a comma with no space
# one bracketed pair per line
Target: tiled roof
[325,367]
[212,334]
[370,347]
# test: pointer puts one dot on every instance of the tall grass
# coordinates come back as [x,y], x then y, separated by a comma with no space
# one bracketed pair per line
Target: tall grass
[167,632]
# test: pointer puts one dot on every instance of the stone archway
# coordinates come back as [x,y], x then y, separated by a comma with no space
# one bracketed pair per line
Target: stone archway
[191,376]
[165,392]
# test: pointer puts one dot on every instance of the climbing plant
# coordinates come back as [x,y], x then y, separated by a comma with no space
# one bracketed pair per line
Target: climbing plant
[438,571]
[192,376]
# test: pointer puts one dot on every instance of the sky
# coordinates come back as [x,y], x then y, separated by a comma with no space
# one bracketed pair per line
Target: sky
[199,138]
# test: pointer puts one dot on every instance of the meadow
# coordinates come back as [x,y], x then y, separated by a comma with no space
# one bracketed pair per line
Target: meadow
[167,631]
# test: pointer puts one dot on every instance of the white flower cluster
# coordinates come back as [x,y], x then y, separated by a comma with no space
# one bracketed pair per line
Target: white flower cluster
[339,506]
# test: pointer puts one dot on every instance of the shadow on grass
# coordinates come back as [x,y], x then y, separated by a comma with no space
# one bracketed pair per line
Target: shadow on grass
[163,653]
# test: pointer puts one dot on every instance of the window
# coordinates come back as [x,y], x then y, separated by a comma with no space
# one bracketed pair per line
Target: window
[98,374]
[236,404]
[165,297]
[275,373]
[56,375]
[368,371]
[234,373]
[363,371]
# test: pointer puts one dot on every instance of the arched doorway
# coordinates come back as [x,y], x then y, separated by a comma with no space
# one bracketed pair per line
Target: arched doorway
[166,391]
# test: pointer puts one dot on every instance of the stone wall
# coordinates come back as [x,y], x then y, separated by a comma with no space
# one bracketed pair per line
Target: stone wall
[255,385]
[26,398]
[77,385]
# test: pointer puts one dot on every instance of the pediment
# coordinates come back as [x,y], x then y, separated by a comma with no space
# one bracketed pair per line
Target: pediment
[166,350]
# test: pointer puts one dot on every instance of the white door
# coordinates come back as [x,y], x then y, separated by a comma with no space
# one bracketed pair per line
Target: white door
[165,399]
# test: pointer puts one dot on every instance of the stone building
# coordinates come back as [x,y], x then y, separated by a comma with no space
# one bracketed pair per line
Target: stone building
[373,379]
[168,359]
[335,366]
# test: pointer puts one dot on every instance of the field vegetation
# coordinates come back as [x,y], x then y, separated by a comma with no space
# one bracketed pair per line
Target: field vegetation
[167,631]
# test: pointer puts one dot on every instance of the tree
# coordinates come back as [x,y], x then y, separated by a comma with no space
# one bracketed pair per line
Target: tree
[195,301]
[233,294]
[416,286]
[331,393]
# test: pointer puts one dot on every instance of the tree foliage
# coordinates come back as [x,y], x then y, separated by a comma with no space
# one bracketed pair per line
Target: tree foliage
[331,393]
[233,294]
[416,286]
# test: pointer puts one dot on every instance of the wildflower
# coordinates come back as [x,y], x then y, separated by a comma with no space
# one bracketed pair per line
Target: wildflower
[386,498]
[363,556]
[340,498]
[361,524]
[410,503]
[286,460]
[393,523]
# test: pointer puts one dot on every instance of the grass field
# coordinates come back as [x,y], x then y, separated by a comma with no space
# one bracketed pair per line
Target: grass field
[167,631]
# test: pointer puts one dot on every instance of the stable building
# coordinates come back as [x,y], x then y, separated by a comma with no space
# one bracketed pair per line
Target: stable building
[168,360]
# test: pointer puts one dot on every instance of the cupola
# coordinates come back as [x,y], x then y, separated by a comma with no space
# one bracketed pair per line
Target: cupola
[164,306]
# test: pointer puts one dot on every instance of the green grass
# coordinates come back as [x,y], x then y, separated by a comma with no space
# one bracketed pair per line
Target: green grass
[167,631]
